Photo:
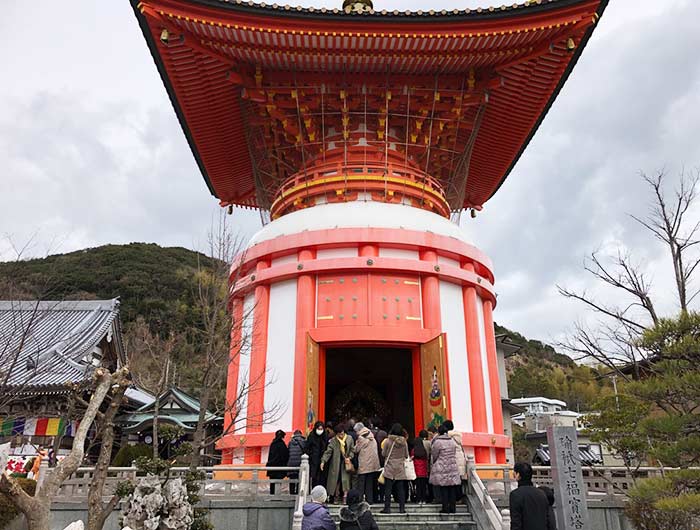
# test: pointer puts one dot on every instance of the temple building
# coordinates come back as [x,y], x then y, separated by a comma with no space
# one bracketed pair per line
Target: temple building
[176,409]
[48,352]
[361,136]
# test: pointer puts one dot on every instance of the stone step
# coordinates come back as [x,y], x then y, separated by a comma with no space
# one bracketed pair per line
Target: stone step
[410,507]
[418,517]
[426,525]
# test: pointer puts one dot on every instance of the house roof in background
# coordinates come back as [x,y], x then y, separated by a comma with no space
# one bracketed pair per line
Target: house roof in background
[50,344]
[175,407]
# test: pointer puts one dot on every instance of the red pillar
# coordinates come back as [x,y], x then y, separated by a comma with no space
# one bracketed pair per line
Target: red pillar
[258,354]
[494,382]
[306,308]
[232,374]
[476,374]
[369,251]
[430,290]
[417,398]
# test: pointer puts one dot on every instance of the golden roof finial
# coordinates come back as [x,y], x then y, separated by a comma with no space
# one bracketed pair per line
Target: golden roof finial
[357,6]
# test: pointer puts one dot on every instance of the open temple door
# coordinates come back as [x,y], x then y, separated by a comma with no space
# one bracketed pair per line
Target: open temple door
[433,389]
[313,382]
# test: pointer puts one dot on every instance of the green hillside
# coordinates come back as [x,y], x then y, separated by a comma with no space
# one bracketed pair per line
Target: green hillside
[156,283]
[151,281]
[539,370]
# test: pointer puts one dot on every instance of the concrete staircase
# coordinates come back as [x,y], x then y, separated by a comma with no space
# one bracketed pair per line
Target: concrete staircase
[418,517]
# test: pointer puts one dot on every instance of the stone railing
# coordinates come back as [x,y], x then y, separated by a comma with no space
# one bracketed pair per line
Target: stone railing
[482,504]
[602,483]
[245,483]
[304,488]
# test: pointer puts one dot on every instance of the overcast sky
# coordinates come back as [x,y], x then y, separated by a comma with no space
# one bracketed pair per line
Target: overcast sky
[91,151]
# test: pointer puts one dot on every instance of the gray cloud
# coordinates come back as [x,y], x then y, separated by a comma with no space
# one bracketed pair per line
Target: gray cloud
[91,152]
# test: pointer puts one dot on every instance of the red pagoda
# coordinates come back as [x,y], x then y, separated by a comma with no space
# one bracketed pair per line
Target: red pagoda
[360,133]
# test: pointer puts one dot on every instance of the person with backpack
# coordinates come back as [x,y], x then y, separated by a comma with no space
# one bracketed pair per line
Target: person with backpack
[296,449]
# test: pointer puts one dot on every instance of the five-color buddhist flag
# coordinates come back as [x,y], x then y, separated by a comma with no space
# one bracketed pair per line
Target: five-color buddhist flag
[38,426]
[6,426]
[29,427]
[54,427]
[41,424]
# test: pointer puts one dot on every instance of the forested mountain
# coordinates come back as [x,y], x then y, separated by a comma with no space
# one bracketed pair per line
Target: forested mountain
[539,370]
[157,284]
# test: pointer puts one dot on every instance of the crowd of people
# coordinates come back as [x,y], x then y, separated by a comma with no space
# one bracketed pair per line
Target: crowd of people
[378,466]
[360,463]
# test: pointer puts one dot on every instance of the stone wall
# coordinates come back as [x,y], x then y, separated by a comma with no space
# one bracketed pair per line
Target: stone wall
[225,515]
[277,515]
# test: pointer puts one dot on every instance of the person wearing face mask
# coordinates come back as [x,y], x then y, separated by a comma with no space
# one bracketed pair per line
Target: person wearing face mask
[316,444]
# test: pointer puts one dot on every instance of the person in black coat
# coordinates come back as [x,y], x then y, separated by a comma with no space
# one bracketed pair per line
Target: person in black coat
[278,456]
[296,449]
[529,507]
[316,444]
[356,515]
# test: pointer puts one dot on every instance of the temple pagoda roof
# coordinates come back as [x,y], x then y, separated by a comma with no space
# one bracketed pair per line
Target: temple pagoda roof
[248,83]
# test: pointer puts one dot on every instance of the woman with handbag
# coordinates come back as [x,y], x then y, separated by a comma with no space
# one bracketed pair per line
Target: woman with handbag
[444,473]
[337,458]
[367,462]
[396,462]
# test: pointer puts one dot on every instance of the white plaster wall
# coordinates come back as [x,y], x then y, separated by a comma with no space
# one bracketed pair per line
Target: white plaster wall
[442,260]
[359,214]
[289,258]
[484,363]
[452,314]
[244,355]
[281,335]
[330,253]
[402,253]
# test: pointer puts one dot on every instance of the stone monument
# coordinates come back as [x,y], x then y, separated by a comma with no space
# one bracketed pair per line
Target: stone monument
[569,489]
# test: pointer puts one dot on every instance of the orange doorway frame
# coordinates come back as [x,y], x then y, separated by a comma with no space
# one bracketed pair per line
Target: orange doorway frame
[414,348]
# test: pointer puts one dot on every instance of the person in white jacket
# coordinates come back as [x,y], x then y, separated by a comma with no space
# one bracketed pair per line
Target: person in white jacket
[460,456]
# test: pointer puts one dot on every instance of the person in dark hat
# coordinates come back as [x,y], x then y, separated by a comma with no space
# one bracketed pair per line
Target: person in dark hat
[357,514]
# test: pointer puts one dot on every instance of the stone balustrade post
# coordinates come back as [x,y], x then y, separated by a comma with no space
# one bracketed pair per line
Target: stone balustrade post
[470,466]
[609,486]
[505,519]
[304,476]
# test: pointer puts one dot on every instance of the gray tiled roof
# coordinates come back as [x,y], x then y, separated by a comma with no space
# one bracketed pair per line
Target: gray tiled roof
[50,344]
